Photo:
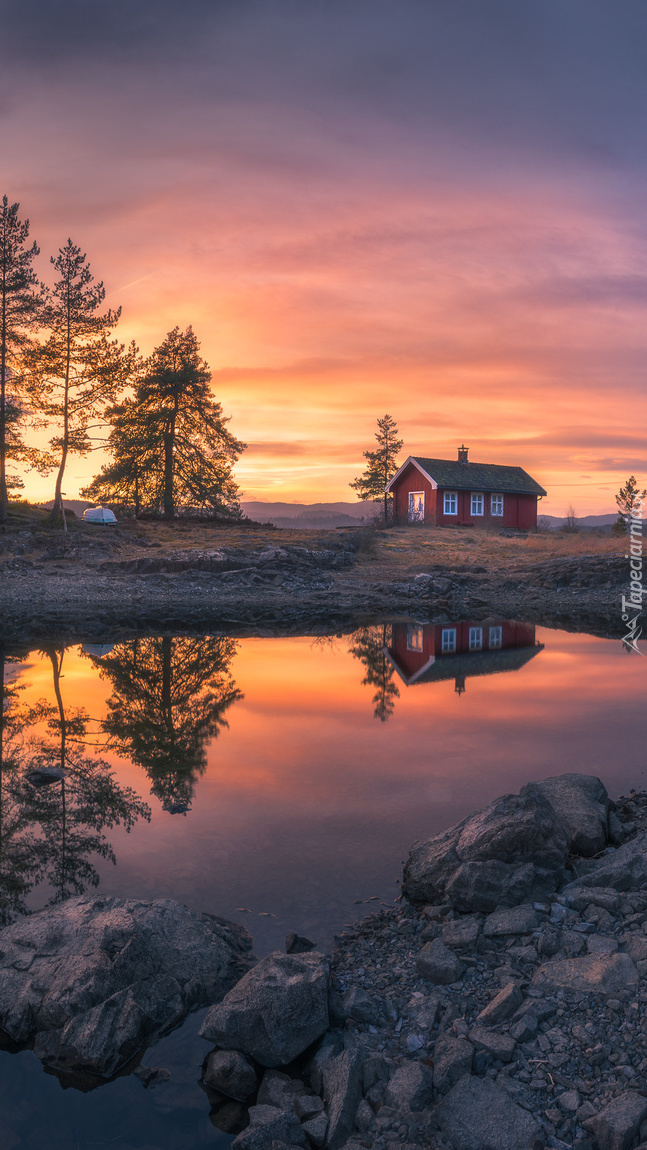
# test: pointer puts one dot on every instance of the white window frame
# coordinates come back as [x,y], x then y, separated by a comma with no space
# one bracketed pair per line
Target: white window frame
[448,640]
[476,639]
[494,507]
[477,503]
[415,638]
[450,503]
[495,638]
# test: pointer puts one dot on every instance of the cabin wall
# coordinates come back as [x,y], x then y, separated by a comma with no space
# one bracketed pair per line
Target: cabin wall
[413,480]
[428,638]
[518,511]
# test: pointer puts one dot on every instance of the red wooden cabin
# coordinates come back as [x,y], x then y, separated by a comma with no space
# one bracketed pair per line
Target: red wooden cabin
[448,493]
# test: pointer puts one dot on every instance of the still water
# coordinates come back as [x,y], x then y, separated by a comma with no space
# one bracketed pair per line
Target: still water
[278,782]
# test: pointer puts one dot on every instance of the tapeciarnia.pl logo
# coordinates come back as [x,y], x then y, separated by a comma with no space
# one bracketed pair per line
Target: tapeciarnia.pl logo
[633,603]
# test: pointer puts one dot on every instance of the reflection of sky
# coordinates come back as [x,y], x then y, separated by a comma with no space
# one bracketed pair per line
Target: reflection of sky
[308,803]
[436,210]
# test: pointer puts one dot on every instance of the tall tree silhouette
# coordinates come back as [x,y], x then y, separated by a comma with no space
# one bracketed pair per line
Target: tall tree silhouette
[368,647]
[73,811]
[19,310]
[134,479]
[21,857]
[169,697]
[77,371]
[381,465]
[177,429]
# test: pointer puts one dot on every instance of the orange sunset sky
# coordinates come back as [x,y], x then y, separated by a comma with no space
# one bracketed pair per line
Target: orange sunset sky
[427,208]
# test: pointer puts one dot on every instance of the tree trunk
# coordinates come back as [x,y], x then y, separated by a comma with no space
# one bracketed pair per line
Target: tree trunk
[169,505]
[57,509]
[4,497]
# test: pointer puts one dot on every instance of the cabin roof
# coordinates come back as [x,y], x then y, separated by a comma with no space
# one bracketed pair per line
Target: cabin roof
[498,477]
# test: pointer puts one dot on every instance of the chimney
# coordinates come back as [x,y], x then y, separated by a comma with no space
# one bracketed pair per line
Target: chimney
[462,454]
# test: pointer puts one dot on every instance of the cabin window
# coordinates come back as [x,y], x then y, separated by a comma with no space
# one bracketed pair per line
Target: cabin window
[449,639]
[476,638]
[476,506]
[450,503]
[416,506]
[496,638]
[415,638]
[496,505]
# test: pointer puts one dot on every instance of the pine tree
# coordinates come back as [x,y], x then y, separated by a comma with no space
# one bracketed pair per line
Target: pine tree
[171,445]
[132,480]
[629,500]
[19,310]
[381,466]
[78,370]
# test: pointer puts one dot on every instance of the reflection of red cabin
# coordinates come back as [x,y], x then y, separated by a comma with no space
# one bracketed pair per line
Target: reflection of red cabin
[432,652]
[457,493]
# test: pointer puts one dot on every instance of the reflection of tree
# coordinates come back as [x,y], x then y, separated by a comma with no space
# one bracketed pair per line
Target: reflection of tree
[169,698]
[20,856]
[368,647]
[79,798]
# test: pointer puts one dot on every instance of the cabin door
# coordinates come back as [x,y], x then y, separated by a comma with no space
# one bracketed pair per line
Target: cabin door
[416,507]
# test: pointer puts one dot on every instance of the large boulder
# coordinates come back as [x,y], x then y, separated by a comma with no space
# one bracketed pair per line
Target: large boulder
[478,1115]
[583,803]
[276,1010]
[514,850]
[611,975]
[93,980]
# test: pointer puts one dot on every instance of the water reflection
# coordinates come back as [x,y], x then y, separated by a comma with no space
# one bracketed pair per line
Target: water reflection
[369,645]
[169,699]
[436,652]
[57,797]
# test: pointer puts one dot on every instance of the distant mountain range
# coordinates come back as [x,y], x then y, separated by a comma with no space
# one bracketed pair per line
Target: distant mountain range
[327,515]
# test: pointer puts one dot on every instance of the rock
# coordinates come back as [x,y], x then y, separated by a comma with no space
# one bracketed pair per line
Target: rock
[364,1118]
[426,1011]
[316,1128]
[635,946]
[608,974]
[268,1124]
[306,1106]
[461,932]
[229,1116]
[583,803]
[498,1045]
[620,868]
[602,944]
[278,1089]
[410,1087]
[452,1060]
[502,1006]
[511,920]
[569,1101]
[374,1069]
[297,944]
[92,980]
[438,964]
[329,1047]
[276,1010]
[360,1006]
[512,851]
[616,1127]
[478,1115]
[342,1090]
[229,1072]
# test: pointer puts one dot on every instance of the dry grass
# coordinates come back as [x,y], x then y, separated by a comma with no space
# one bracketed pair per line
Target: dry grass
[383,553]
[418,546]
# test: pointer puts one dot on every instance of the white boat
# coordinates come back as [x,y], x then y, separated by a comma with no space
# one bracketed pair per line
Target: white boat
[99,515]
